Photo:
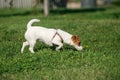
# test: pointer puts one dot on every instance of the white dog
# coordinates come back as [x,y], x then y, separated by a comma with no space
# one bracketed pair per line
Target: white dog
[48,36]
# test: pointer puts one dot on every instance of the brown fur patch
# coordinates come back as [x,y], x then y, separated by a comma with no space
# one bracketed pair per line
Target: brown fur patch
[76,40]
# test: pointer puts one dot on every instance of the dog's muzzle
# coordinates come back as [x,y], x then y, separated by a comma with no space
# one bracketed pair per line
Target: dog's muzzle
[79,48]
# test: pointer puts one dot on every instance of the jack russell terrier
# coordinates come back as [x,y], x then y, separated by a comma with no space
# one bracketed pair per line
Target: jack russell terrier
[49,36]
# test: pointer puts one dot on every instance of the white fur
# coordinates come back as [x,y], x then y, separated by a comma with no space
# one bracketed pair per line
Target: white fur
[45,35]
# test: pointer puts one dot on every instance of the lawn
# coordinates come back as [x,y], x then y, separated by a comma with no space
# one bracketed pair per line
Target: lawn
[98,29]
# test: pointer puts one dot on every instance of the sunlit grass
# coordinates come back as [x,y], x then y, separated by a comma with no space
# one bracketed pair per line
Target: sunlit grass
[99,33]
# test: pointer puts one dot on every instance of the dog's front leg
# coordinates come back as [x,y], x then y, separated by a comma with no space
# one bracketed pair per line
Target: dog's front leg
[59,47]
[59,44]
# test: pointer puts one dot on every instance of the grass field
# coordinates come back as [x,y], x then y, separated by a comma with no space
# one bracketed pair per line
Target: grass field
[98,29]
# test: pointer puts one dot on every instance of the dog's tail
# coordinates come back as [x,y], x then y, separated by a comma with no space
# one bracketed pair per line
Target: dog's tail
[31,22]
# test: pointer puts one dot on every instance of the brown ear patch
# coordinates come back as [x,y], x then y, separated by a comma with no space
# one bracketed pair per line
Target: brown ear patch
[76,40]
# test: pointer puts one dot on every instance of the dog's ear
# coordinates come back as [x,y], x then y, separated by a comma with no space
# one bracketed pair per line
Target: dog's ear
[75,37]
[75,40]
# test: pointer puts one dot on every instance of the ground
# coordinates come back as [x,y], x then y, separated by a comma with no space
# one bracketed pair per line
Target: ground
[99,30]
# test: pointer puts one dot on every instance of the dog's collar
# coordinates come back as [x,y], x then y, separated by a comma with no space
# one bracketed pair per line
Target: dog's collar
[56,33]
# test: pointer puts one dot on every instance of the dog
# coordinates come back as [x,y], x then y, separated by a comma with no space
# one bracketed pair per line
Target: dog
[49,36]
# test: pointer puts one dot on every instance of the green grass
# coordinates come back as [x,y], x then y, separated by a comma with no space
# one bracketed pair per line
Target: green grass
[99,31]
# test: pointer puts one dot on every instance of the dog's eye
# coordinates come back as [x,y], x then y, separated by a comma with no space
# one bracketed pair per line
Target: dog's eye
[79,43]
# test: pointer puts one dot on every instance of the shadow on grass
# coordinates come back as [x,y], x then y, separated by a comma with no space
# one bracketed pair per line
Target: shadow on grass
[117,3]
[65,11]
[10,13]
[16,14]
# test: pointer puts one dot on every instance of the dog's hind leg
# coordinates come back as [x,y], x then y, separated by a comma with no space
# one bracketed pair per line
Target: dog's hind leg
[32,44]
[24,45]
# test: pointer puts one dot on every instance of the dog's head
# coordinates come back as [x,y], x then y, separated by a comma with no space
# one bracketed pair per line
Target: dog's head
[76,42]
